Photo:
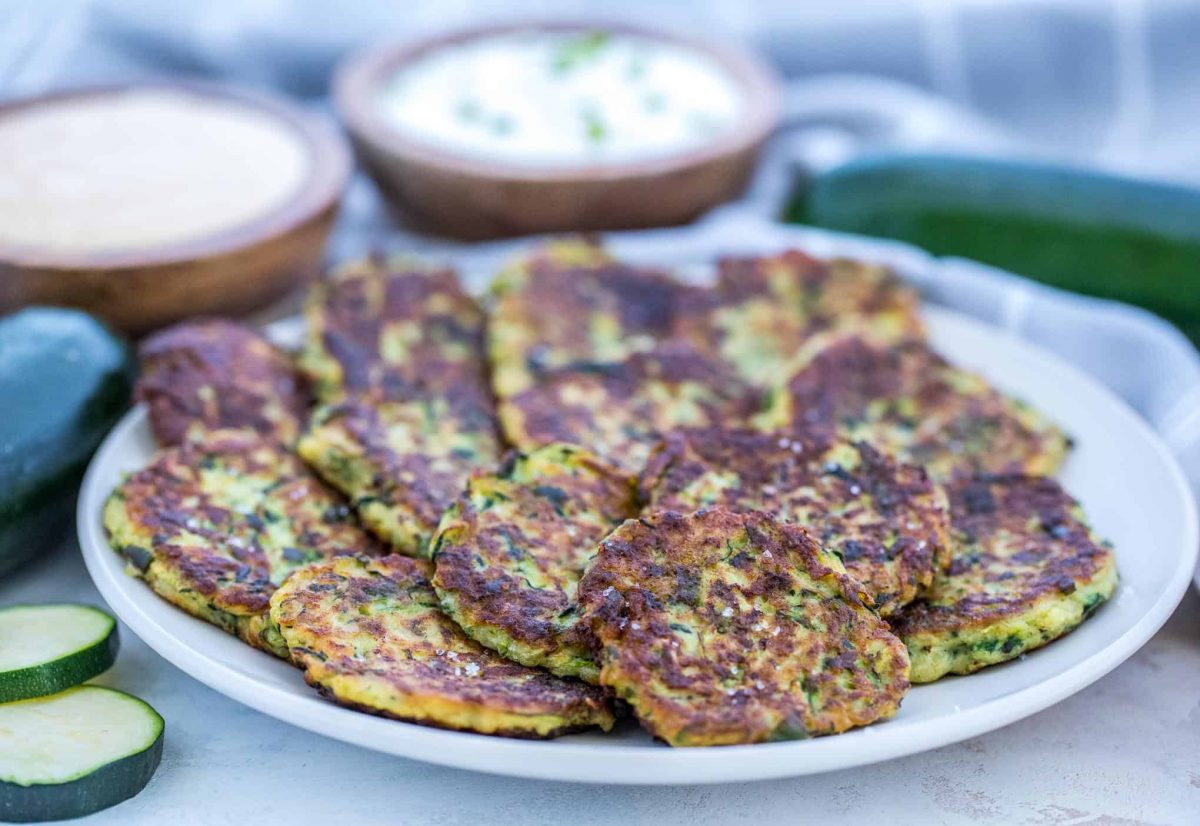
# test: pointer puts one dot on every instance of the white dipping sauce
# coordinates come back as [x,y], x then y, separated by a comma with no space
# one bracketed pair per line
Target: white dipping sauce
[557,99]
[141,169]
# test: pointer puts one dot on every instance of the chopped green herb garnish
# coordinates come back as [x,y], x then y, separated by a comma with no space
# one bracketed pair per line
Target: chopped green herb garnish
[579,50]
[503,125]
[594,127]
[468,110]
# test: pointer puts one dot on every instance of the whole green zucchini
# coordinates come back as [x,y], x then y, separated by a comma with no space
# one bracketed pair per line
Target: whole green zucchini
[1097,234]
[64,382]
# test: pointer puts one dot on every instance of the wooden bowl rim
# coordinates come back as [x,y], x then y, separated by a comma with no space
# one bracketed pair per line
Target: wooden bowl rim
[329,172]
[359,75]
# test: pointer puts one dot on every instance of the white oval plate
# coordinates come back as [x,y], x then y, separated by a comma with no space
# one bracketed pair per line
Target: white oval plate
[1130,486]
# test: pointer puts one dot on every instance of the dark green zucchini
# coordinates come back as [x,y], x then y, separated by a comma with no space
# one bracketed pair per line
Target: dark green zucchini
[64,382]
[74,753]
[45,649]
[1101,235]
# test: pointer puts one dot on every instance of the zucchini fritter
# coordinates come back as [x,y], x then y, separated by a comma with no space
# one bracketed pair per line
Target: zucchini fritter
[369,634]
[569,304]
[721,628]
[508,555]
[396,353]
[392,328]
[620,411]
[762,310]
[1027,570]
[201,376]
[213,526]
[908,400]
[401,463]
[885,521]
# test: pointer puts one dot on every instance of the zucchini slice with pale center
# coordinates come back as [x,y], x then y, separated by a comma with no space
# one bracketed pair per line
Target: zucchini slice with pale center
[75,753]
[47,648]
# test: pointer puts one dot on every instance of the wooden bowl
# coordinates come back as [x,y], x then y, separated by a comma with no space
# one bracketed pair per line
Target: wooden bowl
[469,198]
[230,272]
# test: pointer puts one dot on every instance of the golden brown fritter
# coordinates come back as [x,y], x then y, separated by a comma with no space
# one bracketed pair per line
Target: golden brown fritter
[885,521]
[508,555]
[721,628]
[762,310]
[208,375]
[369,634]
[568,304]
[396,352]
[620,411]
[213,526]
[908,400]
[402,463]
[1027,570]
[394,329]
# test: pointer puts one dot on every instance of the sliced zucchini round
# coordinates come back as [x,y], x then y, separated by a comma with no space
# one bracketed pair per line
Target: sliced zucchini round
[74,753]
[47,648]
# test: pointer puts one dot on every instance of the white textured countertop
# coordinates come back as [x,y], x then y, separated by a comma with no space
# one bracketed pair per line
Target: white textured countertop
[1123,751]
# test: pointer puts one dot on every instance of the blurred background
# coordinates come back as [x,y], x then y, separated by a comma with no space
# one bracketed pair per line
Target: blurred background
[1112,82]
[1107,85]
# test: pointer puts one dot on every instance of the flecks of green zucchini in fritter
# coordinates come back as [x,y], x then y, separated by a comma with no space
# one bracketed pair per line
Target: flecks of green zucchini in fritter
[721,628]
[886,521]
[620,411]
[215,525]
[369,635]
[394,329]
[1027,569]
[762,310]
[202,376]
[401,463]
[908,400]
[568,304]
[508,555]
[396,351]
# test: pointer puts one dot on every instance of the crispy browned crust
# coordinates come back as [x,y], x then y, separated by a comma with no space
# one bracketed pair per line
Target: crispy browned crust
[907,399]
[201,376]
[395,350]
[886,521]
[369,634]
[621,410]
[393,329]
[509,554]
[558,301]
[231,547]
[570,304]
[721,628]
[1020,539]
[763,309]
[410,458]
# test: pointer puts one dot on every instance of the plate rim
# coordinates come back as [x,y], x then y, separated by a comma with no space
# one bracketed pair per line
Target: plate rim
[638,765]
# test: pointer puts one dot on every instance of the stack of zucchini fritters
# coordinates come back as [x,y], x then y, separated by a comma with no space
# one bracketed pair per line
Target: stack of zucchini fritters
[748,511]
